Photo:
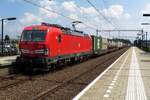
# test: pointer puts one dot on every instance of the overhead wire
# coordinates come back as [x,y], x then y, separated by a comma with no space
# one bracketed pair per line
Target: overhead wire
[81,11]
[106,6]
[43,7]
[89,2]
[53,11]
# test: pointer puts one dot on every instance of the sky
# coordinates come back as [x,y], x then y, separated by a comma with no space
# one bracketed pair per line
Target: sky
[122,14]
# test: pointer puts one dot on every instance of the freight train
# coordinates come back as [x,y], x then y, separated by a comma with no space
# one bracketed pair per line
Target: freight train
[47,45]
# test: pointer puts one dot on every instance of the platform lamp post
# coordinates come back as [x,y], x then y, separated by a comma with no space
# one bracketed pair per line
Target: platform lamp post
[137,41]
[138,35]
[2,42]
[146,15]
[146,32]
[146,38]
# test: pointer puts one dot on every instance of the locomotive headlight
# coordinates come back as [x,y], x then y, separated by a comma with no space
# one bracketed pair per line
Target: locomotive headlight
[42,51]
[46,51]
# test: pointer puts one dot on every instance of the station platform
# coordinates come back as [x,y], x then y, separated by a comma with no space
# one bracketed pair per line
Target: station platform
[128,78]
[4,61]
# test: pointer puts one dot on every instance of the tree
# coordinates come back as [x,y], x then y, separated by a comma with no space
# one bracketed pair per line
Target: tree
[7,39]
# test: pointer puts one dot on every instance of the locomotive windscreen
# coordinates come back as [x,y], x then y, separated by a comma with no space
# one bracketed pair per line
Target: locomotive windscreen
[33,35]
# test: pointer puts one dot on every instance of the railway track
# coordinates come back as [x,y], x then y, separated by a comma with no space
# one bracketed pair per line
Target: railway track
[12,80]
[61,84]
[56,88]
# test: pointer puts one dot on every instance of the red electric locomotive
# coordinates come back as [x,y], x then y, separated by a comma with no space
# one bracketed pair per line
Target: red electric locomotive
[48,44]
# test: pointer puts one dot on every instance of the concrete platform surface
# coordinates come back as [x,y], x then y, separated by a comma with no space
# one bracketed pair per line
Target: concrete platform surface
[7,60]
[128,78]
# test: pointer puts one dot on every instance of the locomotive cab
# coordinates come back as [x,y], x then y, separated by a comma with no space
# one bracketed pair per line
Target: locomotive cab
[34,46]
[32,43]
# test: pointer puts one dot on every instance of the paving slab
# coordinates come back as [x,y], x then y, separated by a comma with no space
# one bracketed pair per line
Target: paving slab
[128,78]
[4,61]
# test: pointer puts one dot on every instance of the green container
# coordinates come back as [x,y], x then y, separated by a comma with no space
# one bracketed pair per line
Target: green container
[96,44]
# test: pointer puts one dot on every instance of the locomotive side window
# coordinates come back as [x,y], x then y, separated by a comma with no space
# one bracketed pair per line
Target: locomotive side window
[59,39]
